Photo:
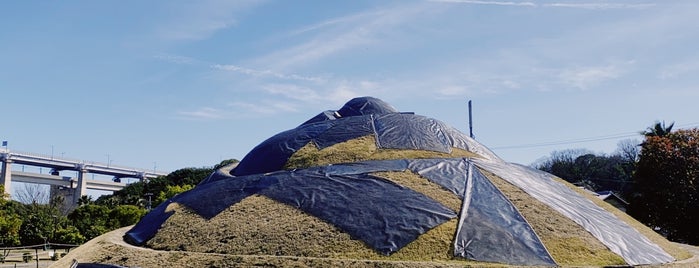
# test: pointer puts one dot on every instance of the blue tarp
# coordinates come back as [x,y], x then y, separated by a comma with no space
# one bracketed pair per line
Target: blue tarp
[388,216]
[385,215]
[392,130]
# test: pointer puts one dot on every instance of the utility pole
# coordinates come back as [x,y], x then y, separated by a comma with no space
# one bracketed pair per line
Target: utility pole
[470,121]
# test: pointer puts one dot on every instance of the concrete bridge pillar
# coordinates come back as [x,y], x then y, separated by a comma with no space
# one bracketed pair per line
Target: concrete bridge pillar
[81,188]
[6,175]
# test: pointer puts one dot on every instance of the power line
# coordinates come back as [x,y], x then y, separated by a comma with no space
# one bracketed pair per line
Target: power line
[582,140]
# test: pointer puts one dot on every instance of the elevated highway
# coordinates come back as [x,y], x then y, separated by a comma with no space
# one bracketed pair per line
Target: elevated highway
[80,184]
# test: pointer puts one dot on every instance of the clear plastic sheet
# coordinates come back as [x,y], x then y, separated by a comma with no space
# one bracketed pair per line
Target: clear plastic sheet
[618,236]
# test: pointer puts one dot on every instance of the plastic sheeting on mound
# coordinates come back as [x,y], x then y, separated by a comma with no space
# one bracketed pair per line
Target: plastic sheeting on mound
[618,236]
[491,228]
[384,215]
[391,130]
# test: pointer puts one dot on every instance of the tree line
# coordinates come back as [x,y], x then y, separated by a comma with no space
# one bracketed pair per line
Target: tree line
[657,176]
[34,222]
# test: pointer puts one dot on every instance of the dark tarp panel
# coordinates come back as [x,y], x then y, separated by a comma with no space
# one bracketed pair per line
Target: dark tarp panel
[618,236]
[273,153]
[492,230]
[324,116]
[365,106]
[409,131]
[448,173]
[149,225]
[392,131]
[385,215]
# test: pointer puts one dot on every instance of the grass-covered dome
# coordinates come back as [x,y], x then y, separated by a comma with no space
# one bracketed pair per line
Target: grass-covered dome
[368,183]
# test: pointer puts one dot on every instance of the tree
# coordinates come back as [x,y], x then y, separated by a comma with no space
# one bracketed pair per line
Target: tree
[125,215]
[90,220]
[658,130]
[171,191]
[595,172]
[9,229]
[33,194]
[667,194]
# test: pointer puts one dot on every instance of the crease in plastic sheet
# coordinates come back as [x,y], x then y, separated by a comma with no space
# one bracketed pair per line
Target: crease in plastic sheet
[491,229]
[408,131]
[384,215]
[618,236]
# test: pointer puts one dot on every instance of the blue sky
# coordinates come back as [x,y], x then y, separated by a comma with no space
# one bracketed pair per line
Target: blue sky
[173,84]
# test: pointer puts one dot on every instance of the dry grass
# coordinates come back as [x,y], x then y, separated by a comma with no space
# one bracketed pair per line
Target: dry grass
[676,251]
[261,231]
[567,241]
[261,226]
[360,149]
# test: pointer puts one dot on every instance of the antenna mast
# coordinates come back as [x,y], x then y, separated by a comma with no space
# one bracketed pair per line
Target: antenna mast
[470,121]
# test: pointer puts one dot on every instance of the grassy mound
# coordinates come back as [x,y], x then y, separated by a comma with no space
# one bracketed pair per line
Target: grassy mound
[259,226]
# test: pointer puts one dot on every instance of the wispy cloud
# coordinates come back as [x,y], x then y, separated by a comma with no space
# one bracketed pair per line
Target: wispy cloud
[204,113]
[497,3]
[679,69]
[264,73]
[175,59]
[585,77]
[601,5]
[345,34]
[588,5]
[190,21]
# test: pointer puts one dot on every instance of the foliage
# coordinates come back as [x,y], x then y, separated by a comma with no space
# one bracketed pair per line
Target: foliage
[125,215]
[68,235]
[39,219]
[9,229]
[135,193]
[3,195]
[658,130]
[38,224]
[10,221]
[172,190]
[598,172]
[666,177]
[90,220]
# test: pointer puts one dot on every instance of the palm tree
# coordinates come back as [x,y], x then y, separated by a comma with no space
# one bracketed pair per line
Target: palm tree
[658,130]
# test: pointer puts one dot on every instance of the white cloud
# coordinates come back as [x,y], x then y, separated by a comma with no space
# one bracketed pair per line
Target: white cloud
[589,76]
[175,59]
[191,21]
[331,37]
[600,5]
[588,5]
[497,3]
[204,113]
[679,69]
[264,73]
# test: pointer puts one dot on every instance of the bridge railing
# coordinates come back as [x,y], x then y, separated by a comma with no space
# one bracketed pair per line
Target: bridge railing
[78,161]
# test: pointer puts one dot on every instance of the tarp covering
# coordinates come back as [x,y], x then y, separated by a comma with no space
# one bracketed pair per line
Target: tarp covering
[618,236]
[391,129]
[491,229]
[385,215]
